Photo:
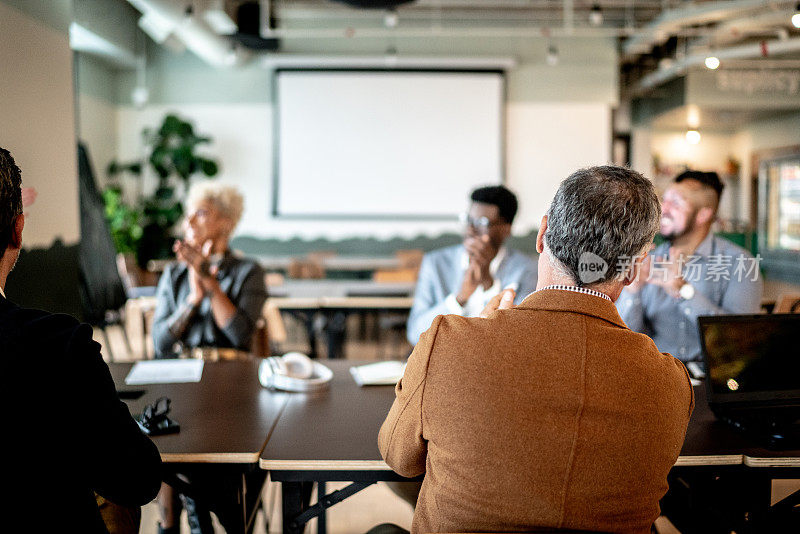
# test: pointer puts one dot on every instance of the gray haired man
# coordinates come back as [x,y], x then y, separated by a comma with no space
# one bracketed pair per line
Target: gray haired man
[553,414]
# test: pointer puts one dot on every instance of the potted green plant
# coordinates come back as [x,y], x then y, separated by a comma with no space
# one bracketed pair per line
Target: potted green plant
[147,227]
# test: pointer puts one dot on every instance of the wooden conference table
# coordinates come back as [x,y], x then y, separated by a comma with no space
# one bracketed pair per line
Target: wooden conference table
[225,420]
[332,436]
[230,425]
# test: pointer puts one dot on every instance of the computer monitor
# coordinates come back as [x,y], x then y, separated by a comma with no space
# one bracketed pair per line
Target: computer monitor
[752,360]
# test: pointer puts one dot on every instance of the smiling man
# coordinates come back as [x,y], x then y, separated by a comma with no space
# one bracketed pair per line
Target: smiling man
[461,279]
[693,273]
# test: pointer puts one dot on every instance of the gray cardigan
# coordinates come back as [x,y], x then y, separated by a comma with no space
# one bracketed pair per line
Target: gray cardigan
[242,280]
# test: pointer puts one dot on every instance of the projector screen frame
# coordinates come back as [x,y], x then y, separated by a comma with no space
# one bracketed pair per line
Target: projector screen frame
[276,141]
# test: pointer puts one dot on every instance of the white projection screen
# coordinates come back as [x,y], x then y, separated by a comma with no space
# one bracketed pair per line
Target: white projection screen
[385,144]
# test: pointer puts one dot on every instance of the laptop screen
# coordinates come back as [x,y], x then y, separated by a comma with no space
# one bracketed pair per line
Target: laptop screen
[752,357]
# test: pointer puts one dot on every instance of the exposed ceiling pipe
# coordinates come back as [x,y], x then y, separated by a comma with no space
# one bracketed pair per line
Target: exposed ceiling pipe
[569,16]
[276,61]
[193,32]
[764,48]
[670,22]
[733,31]
[406,32]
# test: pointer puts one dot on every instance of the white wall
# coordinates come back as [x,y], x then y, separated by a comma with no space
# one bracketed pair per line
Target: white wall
[38,124]
[97,129]
[545,143]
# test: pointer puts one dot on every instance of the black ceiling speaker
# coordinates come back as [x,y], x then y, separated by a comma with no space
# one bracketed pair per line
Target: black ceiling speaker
[248,19]
[374,4]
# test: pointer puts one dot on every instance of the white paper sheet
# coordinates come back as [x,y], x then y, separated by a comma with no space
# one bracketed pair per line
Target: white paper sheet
[378,374]
[165,372]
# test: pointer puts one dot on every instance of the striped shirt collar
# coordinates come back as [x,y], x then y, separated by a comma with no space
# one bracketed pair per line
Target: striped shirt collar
[576,289]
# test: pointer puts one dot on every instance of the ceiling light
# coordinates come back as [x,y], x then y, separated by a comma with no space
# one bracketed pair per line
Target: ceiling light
[692,137]
[391,19]
[139,96]
[796,16]
[693,117]
[390,58]
[712,62]
[552,55]
[219,20]
[596,15]
[231,57]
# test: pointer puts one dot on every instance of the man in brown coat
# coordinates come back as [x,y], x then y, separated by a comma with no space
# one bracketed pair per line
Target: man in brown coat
[551,414]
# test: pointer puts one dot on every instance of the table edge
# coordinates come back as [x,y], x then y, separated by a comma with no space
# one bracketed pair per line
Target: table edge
[211,458]
[323,465]
[752,461]
[712,459]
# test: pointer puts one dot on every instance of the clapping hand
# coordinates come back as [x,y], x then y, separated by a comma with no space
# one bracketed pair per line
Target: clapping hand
[202,275]
[669,276]
[502,301]
[481,252]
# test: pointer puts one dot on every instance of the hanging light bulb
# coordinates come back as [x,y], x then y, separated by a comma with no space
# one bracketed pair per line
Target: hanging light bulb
[390,57]
[390,19]
[596,15]
[232,56]
[692,137]
[712,62]
[552,55]
[140,94]
[796,16]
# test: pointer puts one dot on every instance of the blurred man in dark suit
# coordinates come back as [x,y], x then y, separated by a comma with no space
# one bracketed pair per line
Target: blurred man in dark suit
[63,425]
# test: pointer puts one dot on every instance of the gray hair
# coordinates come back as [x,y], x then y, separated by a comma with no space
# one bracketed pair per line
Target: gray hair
[227,199]
[607,214]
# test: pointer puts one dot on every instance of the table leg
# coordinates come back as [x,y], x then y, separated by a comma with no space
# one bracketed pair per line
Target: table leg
[322,525]
[295,497]
[232,495]
[709,502]
[335,329]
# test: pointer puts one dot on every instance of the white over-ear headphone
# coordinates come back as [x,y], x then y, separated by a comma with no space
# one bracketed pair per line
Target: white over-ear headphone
[293,371]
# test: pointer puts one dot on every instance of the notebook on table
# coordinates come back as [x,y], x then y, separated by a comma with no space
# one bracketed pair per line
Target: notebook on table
[753,374]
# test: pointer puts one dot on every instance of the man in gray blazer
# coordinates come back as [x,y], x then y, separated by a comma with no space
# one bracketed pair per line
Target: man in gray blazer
[463,278]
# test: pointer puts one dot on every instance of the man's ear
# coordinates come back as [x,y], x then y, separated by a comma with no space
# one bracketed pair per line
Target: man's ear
[540,235]
[16,233]
[506,231]
[704,216]
[635,270]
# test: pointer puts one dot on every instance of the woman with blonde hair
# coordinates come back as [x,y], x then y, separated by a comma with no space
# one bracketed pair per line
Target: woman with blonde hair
[208,298]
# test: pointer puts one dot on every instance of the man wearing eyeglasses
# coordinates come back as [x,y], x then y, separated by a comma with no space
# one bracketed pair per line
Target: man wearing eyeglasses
[462,279]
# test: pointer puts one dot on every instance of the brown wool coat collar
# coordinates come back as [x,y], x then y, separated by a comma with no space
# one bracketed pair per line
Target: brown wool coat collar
[571,301]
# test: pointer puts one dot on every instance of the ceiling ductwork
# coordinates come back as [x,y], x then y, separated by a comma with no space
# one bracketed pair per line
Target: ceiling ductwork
[673,21]
[755,50]
[178,19]
[374,4]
